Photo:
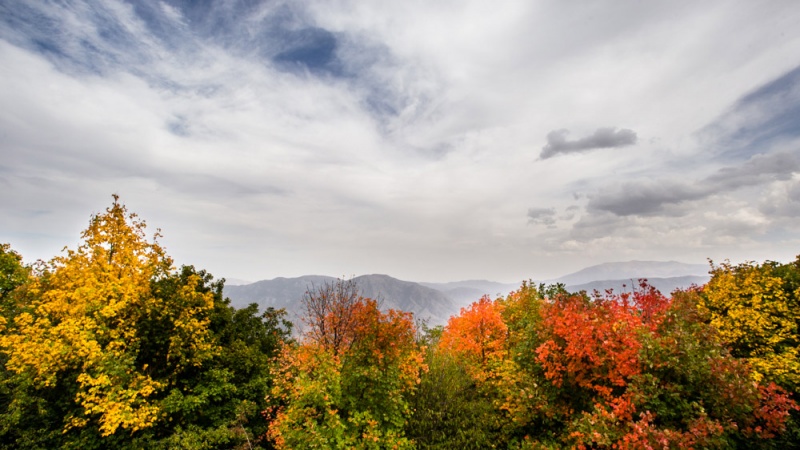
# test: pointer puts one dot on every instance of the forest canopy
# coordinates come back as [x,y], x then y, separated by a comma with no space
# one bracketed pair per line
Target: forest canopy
[110,346]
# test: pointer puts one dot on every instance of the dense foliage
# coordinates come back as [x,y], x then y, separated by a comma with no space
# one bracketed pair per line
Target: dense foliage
[346,384]
[110,346]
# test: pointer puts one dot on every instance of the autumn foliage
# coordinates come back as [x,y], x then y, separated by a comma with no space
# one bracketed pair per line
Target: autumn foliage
[346,384]
[634,370]
[478,334]
[109,346]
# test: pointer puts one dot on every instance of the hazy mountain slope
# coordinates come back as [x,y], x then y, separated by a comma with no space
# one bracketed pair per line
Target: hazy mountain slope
[278,293]
[632,270]
[424,302]
[436,302]
[465,292]
[665,285]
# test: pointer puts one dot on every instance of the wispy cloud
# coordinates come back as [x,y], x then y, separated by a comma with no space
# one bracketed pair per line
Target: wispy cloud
[279,138]
[766,117]
[648,197]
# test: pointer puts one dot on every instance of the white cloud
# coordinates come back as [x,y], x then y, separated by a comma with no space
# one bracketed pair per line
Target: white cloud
[424,147]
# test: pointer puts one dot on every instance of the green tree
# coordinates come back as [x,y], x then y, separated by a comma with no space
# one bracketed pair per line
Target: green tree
[12,272]
[449,409]
[217,404]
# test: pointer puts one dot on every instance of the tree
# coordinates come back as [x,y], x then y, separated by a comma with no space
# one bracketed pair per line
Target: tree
[331,314]
[12,272]
[636,370]
[109,347]
[640,369]
[478,333]
[756,309]
[81,325]
[347,383]
[449,408]
[217,404]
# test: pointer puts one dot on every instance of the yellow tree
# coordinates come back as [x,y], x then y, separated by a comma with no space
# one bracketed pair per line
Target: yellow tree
[79,327]
[756,310]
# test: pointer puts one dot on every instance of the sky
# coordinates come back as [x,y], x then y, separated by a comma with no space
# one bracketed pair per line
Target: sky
[431,141]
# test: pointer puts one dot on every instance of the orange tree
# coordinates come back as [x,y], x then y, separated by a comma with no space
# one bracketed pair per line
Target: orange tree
[639,369]
[478,334]
[635,370]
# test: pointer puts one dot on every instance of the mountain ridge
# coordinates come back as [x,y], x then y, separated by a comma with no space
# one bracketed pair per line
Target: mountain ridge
[437,302]
[392,293]
[633,269]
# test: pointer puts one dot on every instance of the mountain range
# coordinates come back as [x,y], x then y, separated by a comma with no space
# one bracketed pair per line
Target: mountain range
[437,302]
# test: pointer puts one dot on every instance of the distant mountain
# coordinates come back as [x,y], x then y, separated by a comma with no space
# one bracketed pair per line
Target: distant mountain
[665,285]
[465,292]
[287,293]
[424,302]
[632,270]
[277,293]
[436,302]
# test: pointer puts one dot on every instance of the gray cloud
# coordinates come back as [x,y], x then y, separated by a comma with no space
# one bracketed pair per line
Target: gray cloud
[643,197]
[665,197]
[542,216]
[602,138]
[757,170]
[592,226]
[760,119]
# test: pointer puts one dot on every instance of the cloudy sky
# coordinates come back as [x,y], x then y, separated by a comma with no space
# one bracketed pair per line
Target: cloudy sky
[432,141]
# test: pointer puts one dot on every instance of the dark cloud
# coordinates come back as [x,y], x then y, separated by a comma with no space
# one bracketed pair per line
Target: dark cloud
[663,197]
[542,216]
[757,170]
[644,197]
[602,138]
[768,115]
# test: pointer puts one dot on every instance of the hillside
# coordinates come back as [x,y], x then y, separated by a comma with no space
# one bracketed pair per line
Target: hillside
[632,270]
[287,293]
[436,302]
[465,292]
[665,285]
